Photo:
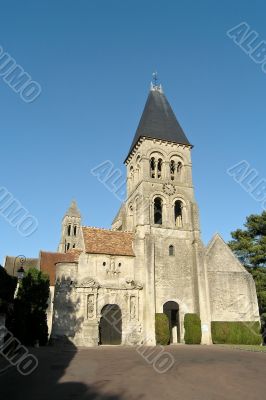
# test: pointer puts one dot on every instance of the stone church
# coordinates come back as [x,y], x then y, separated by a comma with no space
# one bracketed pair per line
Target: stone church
[109,284]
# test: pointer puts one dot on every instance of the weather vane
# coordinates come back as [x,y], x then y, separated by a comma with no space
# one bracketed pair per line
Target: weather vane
[155,78]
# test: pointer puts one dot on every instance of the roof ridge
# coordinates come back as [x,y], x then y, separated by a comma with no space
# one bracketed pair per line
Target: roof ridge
[50,252]
[105,229]
[71,251]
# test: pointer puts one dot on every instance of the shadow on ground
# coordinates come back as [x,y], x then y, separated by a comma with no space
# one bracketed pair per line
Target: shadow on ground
[54,379]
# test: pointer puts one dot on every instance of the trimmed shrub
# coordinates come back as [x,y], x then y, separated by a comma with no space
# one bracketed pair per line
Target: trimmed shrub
[263,327]
[192,325]
[162,330]
[236,332]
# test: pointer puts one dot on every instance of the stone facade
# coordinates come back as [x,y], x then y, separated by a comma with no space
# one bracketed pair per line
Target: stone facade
[152,260]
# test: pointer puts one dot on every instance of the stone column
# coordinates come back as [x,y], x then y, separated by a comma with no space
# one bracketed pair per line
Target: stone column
[149,293]
[145,168]
[167,171]
[203,293]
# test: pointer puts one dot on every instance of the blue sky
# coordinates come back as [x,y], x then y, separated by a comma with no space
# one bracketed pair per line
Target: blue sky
[94,60]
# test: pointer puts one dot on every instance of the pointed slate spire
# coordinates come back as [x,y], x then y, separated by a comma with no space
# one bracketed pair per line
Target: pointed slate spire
[158,120]
[73,210]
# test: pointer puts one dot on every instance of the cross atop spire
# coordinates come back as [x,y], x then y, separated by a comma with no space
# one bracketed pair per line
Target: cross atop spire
[155,78]
[154,84]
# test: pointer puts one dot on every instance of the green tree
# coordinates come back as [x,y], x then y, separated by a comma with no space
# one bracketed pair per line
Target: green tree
[249,245]
[8,286]
[30,308]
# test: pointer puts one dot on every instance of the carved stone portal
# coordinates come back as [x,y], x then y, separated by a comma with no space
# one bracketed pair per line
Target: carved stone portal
[90,306]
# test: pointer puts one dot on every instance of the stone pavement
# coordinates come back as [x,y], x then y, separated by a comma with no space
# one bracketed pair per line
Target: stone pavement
[120,373]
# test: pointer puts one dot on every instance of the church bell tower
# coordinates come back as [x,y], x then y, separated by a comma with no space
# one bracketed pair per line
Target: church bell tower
[162,212]
[159,170]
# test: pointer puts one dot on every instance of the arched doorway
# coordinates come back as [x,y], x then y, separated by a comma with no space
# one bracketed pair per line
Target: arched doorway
[110,327]
[171,309]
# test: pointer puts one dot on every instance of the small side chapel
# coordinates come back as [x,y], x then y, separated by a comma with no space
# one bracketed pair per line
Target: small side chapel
[109,284]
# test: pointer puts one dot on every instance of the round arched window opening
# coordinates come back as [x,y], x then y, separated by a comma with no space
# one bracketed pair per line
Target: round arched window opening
[179,167]
[160,163]
[171,250]
[178,214]
[152,167]
[158,211]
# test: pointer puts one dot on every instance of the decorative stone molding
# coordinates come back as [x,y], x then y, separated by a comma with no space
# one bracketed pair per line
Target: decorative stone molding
[134,337]
[131,284]
[113,269]
[87,283]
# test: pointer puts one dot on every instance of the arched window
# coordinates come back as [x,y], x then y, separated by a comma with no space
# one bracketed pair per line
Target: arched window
[172,170]
[69,230]
[156,165]
[158,211]
[159,167]
[74,246]
[68,246]
[152,167]
[75,231]
[132,173]
[171,250]
[178,214]
[175,167]
[179,167]
[137,168]
[131,178]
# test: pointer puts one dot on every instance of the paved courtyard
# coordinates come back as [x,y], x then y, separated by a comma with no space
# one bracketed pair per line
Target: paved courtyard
[120,373]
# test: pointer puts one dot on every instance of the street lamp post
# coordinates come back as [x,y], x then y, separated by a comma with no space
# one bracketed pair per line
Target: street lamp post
[20,271]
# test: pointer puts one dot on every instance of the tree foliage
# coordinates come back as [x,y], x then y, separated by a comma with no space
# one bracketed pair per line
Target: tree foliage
[7,289]
[30,308]
[249,245]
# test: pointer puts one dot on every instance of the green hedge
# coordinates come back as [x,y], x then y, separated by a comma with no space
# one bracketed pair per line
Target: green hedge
[236,332]
[192,327]
[162,330]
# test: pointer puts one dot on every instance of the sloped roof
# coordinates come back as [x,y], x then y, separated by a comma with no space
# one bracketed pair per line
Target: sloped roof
[48,261]
[158,121]
[104,241]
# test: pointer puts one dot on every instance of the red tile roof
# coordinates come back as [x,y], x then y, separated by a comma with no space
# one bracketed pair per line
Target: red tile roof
[48,261]
[104,241]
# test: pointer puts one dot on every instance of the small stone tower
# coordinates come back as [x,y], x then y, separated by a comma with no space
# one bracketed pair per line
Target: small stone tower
[71,230]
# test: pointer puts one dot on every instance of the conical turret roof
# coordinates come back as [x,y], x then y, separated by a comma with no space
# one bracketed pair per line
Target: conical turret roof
[158,120]
[73,210]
